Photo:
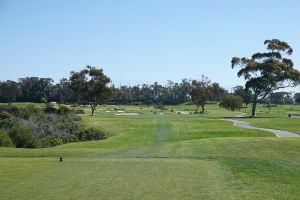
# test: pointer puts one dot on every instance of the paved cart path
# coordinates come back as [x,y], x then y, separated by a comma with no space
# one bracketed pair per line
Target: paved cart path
[278,133]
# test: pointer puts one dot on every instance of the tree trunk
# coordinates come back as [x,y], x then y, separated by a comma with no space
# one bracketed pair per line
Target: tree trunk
[253,109]
[93,107]
[202,111]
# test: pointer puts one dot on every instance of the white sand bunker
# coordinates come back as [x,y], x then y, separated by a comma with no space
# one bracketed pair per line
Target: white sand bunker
[184,112]
[127,114]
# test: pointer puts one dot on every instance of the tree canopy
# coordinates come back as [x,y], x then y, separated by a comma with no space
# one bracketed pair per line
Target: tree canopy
[268,71]
[91,85]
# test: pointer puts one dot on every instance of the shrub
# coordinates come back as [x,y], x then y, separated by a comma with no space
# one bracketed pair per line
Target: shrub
[160,106]
[78,111]
[63,110]
[55,141]
[23,137]
[4,115]
[7,123]
[91,134]
[43,100]
[28,111]
[5,140]
[49,108]
[232,103]
[10,109]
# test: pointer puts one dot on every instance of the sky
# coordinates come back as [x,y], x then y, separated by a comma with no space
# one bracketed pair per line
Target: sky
[139,41]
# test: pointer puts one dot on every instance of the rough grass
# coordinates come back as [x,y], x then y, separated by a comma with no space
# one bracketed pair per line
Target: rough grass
[153,156]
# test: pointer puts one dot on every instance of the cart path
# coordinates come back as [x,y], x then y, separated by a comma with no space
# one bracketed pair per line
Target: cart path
[278,133]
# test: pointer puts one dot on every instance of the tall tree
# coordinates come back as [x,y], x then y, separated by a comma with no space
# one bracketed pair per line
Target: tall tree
[266,72]
[9,91]
[91,85]
[200,92]
[35,89]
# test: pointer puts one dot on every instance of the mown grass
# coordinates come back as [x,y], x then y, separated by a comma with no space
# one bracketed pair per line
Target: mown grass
[158,156]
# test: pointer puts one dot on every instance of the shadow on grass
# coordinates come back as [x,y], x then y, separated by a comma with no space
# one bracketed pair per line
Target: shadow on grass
[250,117]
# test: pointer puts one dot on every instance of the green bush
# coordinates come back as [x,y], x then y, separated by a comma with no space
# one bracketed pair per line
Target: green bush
[63,110]
[232,103]
[32,127]
[4,115]
[79,111]
[23,137]
[28,111]
[55,141]
[91,134]
[5,140]
[49,108]
[43,100]
[7,123]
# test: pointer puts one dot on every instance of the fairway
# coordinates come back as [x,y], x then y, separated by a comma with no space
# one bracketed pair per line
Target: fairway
[150,100]
[157,156]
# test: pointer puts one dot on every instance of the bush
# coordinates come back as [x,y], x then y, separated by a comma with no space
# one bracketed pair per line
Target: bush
[49,108]
[43,100]
[91,134]
[160,106]
[4,115]
[78,111]
[23,137]
[55,141]
[7,123]
[10,109]
[232,103]
[28,111]
[5,140]
[63,110]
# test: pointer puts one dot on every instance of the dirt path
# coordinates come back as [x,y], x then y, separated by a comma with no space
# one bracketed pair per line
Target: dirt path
[278,133]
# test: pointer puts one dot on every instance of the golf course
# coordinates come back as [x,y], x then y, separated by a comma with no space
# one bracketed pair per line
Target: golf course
[149,100]
[169,154]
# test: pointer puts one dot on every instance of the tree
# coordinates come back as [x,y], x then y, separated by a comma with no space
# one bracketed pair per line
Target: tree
[9,91]
[200,92]
[90,84]
[266,72]
[244,94]
[35,89]
[297,98]
[278,97]
[217,92]
[232,102]
[61,92]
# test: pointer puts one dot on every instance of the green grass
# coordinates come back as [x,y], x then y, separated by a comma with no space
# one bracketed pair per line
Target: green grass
[159,156]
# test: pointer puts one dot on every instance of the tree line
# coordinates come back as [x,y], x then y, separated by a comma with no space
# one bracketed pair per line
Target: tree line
[264,73]
[91,86]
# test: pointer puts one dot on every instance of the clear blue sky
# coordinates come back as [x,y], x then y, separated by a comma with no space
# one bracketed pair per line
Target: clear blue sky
[141,41]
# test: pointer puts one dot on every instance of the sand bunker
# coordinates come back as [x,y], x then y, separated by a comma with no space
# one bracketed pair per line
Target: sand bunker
[127,114]
[184,112]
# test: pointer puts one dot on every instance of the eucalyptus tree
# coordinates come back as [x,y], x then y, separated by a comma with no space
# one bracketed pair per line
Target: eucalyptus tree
[269,71]
[91,85]
[200,91]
